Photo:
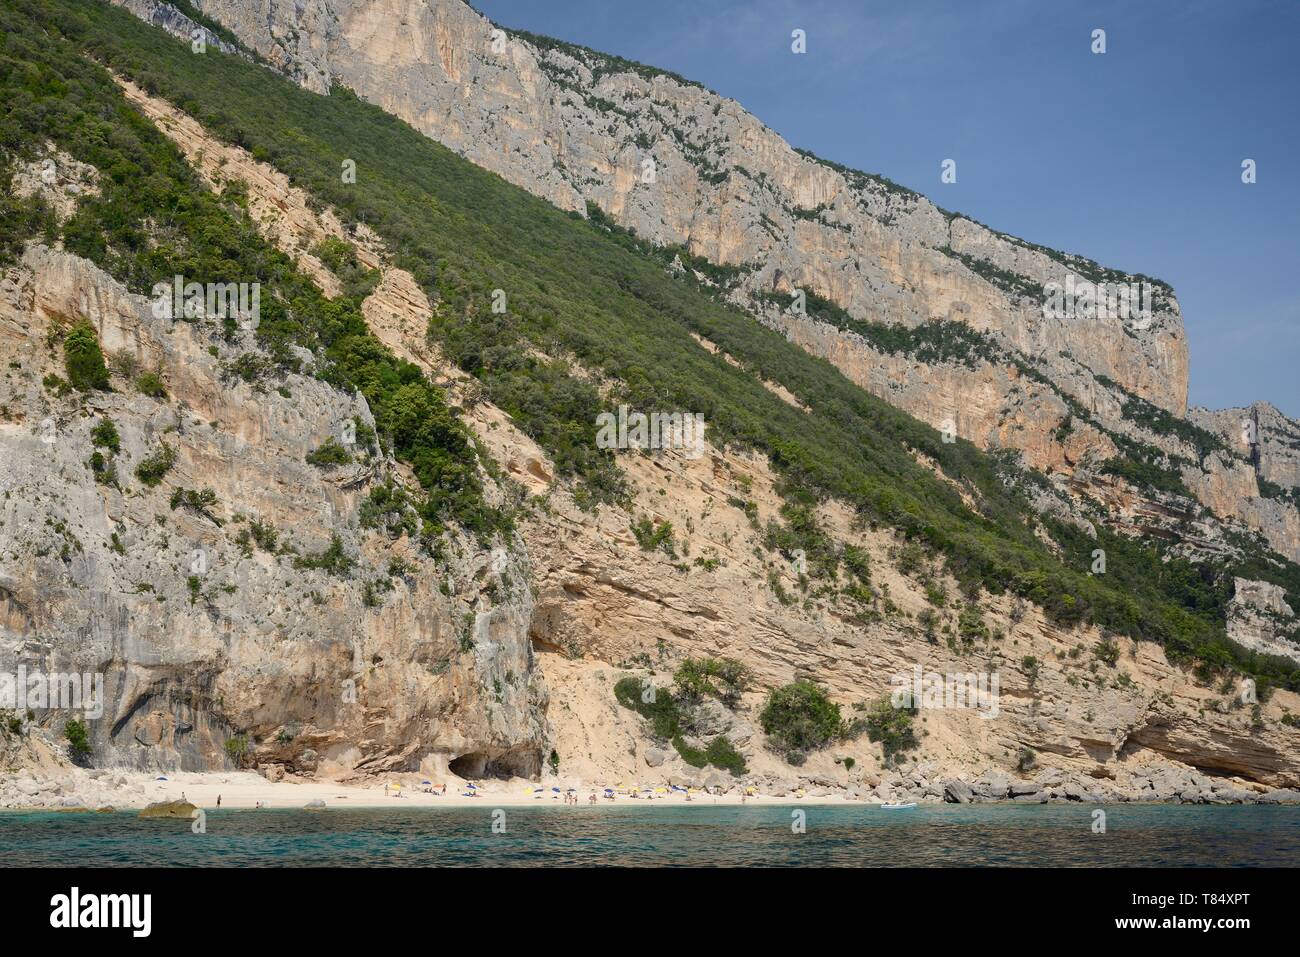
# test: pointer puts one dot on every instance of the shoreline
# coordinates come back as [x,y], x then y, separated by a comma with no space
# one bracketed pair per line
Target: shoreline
[121,790]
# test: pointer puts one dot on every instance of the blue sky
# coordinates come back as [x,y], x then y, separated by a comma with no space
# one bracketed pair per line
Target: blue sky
[1132,157]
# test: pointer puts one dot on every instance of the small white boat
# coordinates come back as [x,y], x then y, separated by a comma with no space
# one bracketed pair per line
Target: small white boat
[897,806]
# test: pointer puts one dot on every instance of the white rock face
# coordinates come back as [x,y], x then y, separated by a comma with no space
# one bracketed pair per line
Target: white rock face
[587,604]
[575,127]
[197,637]
[1259,618]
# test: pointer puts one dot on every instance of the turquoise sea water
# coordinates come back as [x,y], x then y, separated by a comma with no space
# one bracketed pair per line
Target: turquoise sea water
[1057,835]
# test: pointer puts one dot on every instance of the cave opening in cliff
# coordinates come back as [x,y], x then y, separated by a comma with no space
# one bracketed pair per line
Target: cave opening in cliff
[514,763]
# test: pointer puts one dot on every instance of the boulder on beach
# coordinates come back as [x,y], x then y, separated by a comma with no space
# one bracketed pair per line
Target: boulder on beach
[315,805]
[1280,796]
[956,791]
[182,809]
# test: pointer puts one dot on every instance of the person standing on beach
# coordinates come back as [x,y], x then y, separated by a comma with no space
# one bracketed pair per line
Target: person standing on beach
[218,800]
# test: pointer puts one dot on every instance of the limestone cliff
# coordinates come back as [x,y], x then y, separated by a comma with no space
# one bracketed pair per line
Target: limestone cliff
[679,164]
[203,635]
[212,622]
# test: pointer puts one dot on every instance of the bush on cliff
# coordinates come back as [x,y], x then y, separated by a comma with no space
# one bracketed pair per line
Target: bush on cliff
[799,717]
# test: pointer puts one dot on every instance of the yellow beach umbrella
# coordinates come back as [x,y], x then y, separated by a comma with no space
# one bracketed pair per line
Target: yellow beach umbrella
[661,790]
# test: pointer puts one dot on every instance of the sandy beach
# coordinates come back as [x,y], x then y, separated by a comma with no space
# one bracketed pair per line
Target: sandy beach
[251,790]
[246,790]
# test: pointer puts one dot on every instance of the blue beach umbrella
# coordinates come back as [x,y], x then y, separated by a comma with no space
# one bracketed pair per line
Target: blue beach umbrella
[160,779]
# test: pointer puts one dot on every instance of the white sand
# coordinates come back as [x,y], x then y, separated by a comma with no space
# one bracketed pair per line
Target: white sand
[247,790]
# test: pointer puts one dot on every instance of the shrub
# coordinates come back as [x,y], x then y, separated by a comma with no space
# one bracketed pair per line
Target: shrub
[104,435]
[328,455]
[389,509]
[237,748]
[152,385]
[722,754]
[151,470]
[721,678]
[264,534]
[970,624]
[857,562]
[333,559]
[695,757]
[1030,665]
[84,359]
[1026,761]
[1107,650]
[78,738]
[103,467]
[911,559]
[651,535]
[661,711]
[799,717]
[200,502]
[891,728]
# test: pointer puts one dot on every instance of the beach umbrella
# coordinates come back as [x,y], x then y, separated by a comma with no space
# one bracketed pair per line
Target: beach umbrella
[160,779]
[472,786]
[556,790]
[538,790]
[426,782]
[661,790]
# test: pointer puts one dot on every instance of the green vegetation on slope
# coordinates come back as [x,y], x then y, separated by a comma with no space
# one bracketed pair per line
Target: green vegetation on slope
[573,287]
[154,219]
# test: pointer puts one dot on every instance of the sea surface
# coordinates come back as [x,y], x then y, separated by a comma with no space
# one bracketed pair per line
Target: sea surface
[697,836]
